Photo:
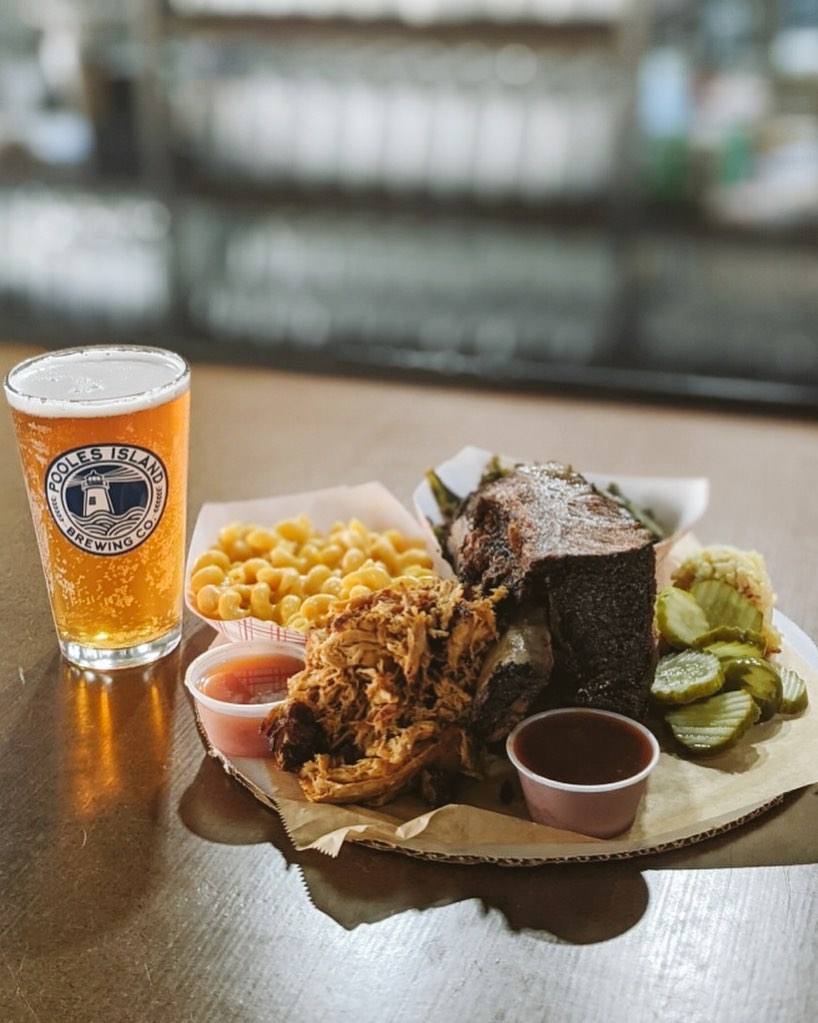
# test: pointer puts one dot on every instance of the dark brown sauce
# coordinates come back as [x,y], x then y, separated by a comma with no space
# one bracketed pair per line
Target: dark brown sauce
[579,748]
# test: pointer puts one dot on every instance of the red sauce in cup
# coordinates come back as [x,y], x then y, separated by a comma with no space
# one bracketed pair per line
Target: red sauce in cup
[254,678]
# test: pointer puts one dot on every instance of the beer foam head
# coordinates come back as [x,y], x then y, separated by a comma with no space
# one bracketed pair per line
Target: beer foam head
[102,380]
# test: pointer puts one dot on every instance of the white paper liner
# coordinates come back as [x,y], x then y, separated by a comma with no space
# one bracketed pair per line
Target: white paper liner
[677,503]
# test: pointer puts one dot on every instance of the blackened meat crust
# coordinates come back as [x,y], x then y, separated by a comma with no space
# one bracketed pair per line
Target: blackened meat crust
[558,544]
[295,737]
[601,614]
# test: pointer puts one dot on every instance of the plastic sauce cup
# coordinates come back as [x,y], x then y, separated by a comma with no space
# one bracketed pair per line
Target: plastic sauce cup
[582,769]
[235,685]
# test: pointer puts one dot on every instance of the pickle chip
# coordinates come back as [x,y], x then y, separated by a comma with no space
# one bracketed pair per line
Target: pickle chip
[724,605]
[686,676]
[680,618]
[713,725]
[724,634]
[733,650]
[794,697]
[760,679]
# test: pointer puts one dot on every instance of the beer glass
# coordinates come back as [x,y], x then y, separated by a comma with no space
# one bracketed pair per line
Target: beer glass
[103,438]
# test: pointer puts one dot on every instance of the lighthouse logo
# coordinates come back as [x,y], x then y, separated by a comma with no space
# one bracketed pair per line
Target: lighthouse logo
[107,498]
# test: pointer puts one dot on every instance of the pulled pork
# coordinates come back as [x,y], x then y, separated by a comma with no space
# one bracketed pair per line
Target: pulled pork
[386,692]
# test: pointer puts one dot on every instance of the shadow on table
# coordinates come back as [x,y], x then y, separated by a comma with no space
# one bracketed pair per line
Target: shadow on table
[567,902]
[579,903]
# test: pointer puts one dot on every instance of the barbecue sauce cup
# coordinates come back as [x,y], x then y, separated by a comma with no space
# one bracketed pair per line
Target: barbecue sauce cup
[236,685]
[583,770]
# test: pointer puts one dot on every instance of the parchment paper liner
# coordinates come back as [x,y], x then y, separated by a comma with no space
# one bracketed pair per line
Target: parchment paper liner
[686,801]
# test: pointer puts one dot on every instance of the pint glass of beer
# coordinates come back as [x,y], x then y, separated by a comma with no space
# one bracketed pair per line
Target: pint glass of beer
[103,439]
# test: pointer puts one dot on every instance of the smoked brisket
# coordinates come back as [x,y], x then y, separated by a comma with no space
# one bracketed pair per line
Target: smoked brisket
[569,552]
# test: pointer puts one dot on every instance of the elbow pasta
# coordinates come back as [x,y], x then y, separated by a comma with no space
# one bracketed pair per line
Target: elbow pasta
[292,574]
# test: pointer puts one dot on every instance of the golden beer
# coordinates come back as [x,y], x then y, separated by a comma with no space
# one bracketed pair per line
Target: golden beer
[103,439]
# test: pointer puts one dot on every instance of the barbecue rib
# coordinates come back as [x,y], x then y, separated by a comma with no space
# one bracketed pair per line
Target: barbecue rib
[513,675]
[561,547]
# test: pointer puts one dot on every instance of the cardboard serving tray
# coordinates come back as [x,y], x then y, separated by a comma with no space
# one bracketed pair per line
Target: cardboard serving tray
[686,801]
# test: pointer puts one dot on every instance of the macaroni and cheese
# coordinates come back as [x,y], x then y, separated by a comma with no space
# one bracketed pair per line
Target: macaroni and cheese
[291,574]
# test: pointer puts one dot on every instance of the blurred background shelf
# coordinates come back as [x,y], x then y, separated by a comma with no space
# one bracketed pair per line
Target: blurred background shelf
[614,196]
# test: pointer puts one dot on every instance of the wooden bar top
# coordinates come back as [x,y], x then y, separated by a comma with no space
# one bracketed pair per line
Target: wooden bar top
[141,883]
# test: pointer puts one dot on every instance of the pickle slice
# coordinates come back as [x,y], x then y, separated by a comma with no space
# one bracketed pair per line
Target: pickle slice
[686,676]
[731,634]
[733,650]
[713,725]
[724,605]
[760,679]
[794,697]
[679,617]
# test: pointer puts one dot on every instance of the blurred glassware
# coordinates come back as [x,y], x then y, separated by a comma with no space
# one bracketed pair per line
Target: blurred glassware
[416,12]
[497,122]
[85,256]
[486,291]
